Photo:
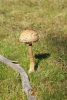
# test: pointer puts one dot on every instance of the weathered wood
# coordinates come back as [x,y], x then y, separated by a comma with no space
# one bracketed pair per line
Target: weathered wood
[24,77]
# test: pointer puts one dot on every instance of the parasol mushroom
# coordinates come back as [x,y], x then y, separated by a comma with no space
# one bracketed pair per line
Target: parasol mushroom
[28,37]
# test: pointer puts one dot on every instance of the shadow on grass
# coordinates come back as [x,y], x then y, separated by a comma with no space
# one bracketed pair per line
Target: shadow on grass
[40,57]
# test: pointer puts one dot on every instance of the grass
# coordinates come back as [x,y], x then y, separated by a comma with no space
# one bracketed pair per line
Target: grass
[49,19]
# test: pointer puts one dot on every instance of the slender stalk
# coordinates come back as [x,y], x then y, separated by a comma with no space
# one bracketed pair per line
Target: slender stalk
[31,58]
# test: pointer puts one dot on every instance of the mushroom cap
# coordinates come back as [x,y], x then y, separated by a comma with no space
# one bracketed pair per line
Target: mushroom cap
[29,36]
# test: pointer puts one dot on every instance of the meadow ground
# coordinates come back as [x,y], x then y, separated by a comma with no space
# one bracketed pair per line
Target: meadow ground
[49,19]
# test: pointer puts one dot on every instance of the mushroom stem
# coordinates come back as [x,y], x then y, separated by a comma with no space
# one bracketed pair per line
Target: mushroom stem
[31,58]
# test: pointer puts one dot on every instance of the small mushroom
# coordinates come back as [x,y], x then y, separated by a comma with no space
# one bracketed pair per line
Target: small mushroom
[28,37]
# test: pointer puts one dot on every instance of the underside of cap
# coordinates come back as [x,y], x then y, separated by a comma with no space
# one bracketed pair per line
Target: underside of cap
[28,36]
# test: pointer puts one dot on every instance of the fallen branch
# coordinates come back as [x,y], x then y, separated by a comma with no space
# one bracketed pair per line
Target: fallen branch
[24,77]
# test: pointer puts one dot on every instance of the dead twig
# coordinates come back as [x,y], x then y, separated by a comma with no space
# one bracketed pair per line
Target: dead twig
[24,77]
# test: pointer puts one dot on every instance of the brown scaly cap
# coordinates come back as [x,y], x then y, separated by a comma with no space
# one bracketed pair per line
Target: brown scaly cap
[29,36]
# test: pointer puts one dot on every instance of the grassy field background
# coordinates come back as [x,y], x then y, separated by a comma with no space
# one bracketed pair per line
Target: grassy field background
[49,19]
